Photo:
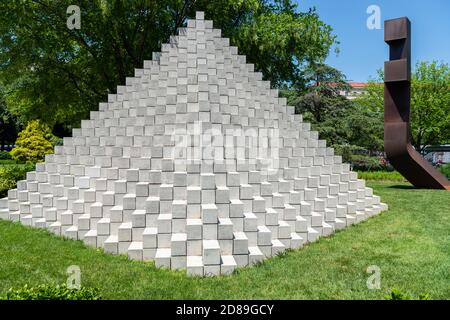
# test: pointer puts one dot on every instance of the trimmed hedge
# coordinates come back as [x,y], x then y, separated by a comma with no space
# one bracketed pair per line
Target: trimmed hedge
[393,176]
[4,155]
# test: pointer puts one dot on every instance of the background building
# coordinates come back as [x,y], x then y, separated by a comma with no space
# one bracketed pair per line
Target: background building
[357,88]
[438,154]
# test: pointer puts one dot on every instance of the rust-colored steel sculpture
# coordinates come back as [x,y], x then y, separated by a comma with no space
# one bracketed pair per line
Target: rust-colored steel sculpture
[397,102]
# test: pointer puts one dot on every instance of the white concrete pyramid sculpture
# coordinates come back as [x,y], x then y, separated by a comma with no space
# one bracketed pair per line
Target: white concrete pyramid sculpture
[196,164]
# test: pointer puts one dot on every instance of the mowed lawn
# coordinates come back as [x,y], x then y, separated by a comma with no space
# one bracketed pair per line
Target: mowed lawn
[410,244]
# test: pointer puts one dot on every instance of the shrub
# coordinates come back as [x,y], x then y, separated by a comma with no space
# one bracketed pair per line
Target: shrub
[51,292]
[399,295]
[445,169]
[56,141]
[33,143]
[347,151]
[365,163]
[360,159]
[4,155]
[7,162]
[10,174]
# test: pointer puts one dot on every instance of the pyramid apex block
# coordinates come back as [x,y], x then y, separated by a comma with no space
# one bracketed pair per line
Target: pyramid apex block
[200,15]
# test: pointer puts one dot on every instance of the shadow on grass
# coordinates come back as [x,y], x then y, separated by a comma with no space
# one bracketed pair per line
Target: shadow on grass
[403,186]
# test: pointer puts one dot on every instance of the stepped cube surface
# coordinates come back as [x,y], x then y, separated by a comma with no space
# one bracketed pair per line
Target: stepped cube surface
[195,163]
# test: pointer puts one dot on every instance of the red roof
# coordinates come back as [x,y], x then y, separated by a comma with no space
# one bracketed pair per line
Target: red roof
[352,84]
[358,84]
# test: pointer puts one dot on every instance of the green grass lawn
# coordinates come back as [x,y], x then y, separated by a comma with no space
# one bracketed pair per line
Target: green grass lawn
[410,243]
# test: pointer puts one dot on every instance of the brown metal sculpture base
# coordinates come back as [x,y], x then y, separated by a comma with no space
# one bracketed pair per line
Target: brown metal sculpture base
[397,100]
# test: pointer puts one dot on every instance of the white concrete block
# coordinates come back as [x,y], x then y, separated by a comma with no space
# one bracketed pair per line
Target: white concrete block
[211,252]
[162,258]
[225,229]
[240,243]
[264,236]
[179,179]
[138,219]
[255,255]
[124,232]
[222,195]
[179,209]
[164,223]
[228,264]
[236,208]
[194,229]
[209,213]
[111,244]
[194,265]
[152,205]
[179,245]
[207,181]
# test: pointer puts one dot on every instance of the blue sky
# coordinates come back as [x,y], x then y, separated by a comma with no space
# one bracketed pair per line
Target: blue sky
[363,51]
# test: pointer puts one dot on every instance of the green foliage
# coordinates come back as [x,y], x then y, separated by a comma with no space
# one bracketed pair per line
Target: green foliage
[430,103]
[279,41]
[56,141]
[360,160]
[320,96]
[355,131]
[347,151]
[364,162]
[51,292]
[392,176]
[445,169]
[9,125]
[76,69]
[5,155]
[10,174]
[33,143]
[424,296]
[7,162]
[430,97]
[397,294]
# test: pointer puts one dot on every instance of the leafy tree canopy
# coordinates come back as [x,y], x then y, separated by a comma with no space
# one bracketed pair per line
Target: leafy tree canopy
[58,75]
[430,103]
[8,123]
[320,94]
[348,126]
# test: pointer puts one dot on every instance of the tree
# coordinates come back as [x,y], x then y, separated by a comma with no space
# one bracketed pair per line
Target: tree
[8,124]
[320,94]
[430,103]
[33,143]
[351,128]
[58,75]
